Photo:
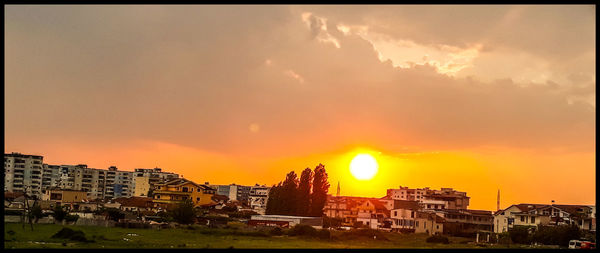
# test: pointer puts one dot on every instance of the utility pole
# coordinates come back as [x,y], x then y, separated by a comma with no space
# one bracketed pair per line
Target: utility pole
[498,201]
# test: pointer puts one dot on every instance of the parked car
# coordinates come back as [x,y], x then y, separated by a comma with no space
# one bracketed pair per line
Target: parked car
[574,244]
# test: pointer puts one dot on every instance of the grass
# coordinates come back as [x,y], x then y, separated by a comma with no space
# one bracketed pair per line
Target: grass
[200,237]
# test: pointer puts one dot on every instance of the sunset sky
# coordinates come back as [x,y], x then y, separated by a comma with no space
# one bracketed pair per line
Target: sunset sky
[477,98]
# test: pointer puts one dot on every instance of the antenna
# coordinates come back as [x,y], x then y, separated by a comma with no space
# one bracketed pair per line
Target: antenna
[498,201]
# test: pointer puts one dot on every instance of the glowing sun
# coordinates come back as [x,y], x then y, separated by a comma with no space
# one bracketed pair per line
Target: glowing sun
[363,167]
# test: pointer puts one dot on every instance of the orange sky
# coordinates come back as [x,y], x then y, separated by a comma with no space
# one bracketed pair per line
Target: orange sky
[244,94]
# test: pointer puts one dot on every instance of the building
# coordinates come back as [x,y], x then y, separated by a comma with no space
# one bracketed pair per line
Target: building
[429,223]
[404,215]
[23,173]
[445,198]
[373,214]
[459,221]
[234,192]
[180,189]
[118,183]
[135,204]
[544,214]
[145,179]
[258,197]
[62,196]
[285,221]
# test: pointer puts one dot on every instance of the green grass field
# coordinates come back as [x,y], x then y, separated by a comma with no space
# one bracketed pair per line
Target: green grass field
[17,237]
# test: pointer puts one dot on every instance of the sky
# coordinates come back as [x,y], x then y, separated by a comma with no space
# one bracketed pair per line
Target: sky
[476,98]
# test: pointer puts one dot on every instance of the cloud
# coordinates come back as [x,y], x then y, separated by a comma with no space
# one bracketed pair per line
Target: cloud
[196,77]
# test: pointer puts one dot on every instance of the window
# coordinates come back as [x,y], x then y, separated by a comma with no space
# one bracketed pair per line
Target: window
[522,218]
[532,219]
[197,199]
[437,226]
[416,223]
[412,214]
[395,213]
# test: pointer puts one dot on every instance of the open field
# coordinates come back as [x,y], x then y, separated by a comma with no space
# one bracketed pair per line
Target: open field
[201,237]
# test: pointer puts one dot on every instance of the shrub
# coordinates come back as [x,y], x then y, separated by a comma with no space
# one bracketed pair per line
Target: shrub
[324,234]
[70,234]
[365,233]
[115,214]
[276,231]
[303,230]
[59,213]
[71,218]
[235,225]
[184,213]
[437,239]
[520,234]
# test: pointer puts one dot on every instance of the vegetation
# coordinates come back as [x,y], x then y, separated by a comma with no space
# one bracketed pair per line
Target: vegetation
[305,196]
[70,234]
[204,237]
[59,213]
[36,212]
[184,213]
[438,239]
[115,214]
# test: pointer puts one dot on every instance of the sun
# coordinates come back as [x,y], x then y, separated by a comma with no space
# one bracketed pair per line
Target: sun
[363,167]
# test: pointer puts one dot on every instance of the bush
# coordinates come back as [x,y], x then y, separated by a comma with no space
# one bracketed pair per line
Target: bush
[71,218]
[438,239]
[324,234]
[59,213]
[276,231]
[115,214]
[520,234]
[556,235]
[70,234]
[184,213]
[303,230]
[235,225]
[365,233]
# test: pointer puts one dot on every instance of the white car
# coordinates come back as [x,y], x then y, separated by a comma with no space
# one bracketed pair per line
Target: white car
[574,244]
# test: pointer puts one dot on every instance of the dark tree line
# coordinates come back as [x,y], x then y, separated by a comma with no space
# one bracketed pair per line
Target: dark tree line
[305,196]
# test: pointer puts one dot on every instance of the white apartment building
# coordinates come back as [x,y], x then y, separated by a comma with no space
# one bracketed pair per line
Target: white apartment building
[118,183]
[259,194]
[445,198]
[23,173]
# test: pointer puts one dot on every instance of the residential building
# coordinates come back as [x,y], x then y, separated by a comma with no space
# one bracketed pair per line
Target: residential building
[373,214]
[62,196]
[404,215]
[544,214]
[23,173]
[180,189]
[429,222]
[258,197]
[50,176]
[135,204]
[466,220]
[234,192]
[145,179]
[118,183]
[445,198]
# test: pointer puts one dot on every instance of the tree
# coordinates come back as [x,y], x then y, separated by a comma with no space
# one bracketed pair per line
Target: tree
[115,214]
[304,189]
[320,188]
[274,200]
[36,212]
[59,213]
[289,194]
[184,212]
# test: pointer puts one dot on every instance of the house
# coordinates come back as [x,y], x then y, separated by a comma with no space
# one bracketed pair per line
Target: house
[373,214]
[135,204]
[403,215]
[62,196]
[429,222]
[466,221]
[180,189]
[543,214]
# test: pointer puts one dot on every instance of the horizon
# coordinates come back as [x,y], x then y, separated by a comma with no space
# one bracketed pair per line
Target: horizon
[474,98]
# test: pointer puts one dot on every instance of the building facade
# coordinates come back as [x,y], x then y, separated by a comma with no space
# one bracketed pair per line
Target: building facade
[23,173]
[258,197]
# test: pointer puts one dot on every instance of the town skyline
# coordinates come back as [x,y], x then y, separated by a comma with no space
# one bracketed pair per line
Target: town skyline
[477,98]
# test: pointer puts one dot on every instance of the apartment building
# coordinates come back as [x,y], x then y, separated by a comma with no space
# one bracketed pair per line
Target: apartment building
[145,179]
[118,183]
[258,197]
[23,173]
[445,198]
[234,192]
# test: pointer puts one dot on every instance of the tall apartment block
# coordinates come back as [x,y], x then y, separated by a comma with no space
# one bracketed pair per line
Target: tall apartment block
[445,198]
[23,173]
[234,192]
